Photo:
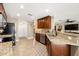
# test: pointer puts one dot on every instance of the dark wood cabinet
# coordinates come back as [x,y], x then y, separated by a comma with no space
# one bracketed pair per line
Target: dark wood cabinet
[44,23]
[60,50]
[47,22]
[37,37]
[48,46]
[54,49]
[40,23]
[40,38]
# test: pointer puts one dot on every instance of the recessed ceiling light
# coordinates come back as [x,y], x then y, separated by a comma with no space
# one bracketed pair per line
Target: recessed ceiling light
[47,10]
[18,14]
[22,6]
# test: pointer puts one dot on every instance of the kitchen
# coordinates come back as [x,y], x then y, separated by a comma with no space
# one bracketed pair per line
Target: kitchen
[59,43]
[51,30]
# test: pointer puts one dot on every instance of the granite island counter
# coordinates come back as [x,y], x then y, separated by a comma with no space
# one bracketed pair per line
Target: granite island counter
[7,38]
[68,41]
[64,44]
[64,38]
[6,35]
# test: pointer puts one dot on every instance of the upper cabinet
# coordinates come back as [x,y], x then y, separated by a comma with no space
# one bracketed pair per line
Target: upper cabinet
[44,23]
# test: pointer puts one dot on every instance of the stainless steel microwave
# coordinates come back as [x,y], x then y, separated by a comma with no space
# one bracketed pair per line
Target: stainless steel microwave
[72,27]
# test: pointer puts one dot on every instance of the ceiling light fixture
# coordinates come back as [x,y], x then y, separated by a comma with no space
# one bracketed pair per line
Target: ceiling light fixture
[47,10]
[22,6]
[18,14]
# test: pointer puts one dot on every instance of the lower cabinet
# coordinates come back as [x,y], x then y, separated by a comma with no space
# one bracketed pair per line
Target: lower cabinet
[60,50]
[52,48]
[49,50]
[37,37]
[48,46]
[40,38]
[57,49]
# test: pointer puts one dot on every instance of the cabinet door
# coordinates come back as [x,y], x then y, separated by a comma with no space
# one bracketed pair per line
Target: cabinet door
[49,49]
[44,23]
[47,23]
[40,23]
[60,50]
[48,46]
[42,38]
[37,37]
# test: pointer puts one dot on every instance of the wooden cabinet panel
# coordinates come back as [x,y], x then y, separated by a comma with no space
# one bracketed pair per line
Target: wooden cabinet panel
[40,23]
[57,49]
[60,50]
[37,37]
[48,46]
[40,38]
[48,22]
[44,23]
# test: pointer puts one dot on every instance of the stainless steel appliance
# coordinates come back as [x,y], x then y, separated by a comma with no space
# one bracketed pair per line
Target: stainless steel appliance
[42,38]
[72,27]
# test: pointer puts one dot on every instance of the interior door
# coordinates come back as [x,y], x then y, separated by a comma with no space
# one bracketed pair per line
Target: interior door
[22,29]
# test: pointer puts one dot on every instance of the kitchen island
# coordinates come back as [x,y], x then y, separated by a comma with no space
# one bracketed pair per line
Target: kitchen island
[5,46]
[7,38]
[6,35]
[64,44]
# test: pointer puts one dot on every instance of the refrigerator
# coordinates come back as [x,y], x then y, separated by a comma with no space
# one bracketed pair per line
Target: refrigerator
[9,29]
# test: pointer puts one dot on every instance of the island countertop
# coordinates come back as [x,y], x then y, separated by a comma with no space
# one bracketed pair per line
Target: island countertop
[6,35]
[64,38]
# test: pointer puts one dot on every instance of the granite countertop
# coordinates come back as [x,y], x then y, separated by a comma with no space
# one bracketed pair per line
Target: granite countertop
[40,32]
[6,35]
[64,38]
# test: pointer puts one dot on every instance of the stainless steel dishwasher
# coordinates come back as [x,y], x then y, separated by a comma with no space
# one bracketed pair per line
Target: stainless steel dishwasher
[42,38]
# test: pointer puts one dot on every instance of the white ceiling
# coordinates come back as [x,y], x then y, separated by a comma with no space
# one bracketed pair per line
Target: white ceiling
[60,11]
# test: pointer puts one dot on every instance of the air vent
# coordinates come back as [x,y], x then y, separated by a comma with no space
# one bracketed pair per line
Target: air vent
[30,14]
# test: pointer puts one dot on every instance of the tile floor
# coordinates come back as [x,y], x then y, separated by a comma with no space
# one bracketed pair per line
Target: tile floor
[24,47]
